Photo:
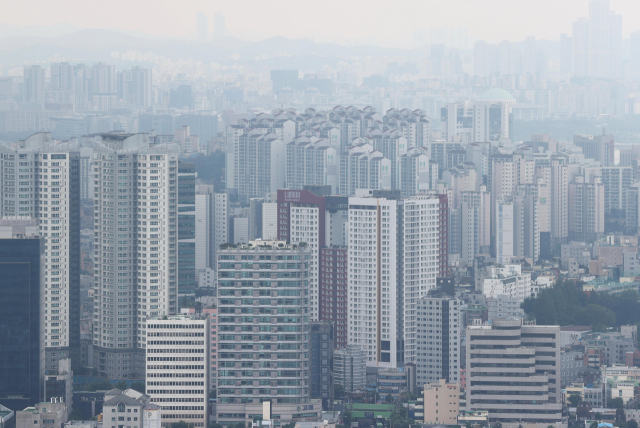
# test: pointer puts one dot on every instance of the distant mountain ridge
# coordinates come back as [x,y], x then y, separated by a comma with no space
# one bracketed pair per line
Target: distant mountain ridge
[97,45]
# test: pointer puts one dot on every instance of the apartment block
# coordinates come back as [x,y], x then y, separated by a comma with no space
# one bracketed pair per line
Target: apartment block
[135,248]
[263,331]
[438,340]
[40,178]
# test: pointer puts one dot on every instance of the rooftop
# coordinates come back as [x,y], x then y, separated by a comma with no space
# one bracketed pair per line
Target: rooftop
[496,94]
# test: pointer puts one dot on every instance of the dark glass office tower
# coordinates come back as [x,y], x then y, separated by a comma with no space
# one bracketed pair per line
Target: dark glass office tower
[21,317]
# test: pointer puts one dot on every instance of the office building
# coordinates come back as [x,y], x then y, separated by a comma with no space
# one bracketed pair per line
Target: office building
[136,248]
[321,345]
[441,402]
[187,282]
[514,360]
[23,316]
[438,340]
[177,367]
[130,408]
[400,238]
[42,179]
[333,291]
[263,331]
[350,368]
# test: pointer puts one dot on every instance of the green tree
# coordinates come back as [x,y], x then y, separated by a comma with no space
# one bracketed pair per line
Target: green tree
[338,392]
[497,425]
[181,424]
[121,385]
[550,426]
[574,399]
[138,386]
[289,425]
[347,417]
[632,424]
[593,425]
[101,385]
[76,415]
[389,398]
[616,403]
[598,416]
[215,425]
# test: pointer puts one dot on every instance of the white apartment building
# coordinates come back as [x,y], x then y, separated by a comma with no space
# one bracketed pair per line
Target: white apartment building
[415,173]
[361,167]
[509,280]
[438,340]
[475,224]
[135,257]
[312,161]
[260,164]
[40,178]
[177,367]
[380,271]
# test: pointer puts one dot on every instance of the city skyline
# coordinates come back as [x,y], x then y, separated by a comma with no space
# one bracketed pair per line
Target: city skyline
[513,21]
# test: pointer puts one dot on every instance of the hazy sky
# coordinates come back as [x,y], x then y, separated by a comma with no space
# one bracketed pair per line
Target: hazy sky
[322,20]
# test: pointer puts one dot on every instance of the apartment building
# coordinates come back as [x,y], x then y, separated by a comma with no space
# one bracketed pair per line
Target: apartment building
[136,247]
[393,252]
[40,178]
[438,340]
[263,331]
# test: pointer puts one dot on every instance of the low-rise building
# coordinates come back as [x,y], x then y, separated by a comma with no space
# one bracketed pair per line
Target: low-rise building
[43,415]
[441,403]
[130,409]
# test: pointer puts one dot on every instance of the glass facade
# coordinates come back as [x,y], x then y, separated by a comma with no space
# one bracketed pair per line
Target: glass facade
[21,339]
